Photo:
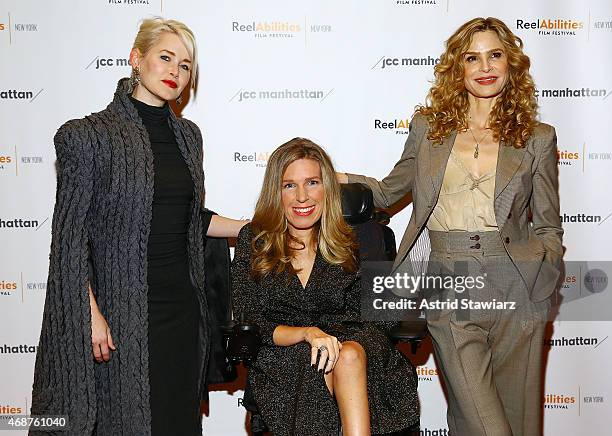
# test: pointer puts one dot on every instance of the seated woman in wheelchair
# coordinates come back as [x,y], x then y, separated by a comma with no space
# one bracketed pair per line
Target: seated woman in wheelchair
[295,275]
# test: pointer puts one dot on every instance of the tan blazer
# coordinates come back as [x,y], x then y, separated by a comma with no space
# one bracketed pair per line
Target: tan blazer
[526,180]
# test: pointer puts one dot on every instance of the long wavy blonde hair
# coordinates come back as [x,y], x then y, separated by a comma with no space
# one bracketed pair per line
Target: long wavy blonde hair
[513,116]
[271,248]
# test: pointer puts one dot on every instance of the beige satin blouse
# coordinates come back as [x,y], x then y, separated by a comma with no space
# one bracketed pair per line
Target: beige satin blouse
[466,203]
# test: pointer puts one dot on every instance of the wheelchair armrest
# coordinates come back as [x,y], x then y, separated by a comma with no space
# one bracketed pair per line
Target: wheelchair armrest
[243,343]
[413,331]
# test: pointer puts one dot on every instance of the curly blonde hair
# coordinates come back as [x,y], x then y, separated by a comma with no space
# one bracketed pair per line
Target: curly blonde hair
[271,248]
[513,116]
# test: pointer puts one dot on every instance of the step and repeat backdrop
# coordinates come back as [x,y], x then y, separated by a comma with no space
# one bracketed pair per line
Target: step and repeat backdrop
[346,74]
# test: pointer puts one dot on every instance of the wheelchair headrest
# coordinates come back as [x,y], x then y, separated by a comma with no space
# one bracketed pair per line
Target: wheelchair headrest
[357,203]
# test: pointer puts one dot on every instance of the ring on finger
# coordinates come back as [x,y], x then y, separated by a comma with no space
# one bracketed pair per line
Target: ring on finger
[322,348]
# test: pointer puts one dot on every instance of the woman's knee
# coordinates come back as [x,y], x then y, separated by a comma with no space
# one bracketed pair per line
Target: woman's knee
[352,355]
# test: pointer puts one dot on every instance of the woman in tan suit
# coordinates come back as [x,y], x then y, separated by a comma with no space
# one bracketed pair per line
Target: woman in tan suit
[483,176]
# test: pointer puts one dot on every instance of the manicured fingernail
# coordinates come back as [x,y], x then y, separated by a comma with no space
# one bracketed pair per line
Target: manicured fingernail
[313,366]
[320,370]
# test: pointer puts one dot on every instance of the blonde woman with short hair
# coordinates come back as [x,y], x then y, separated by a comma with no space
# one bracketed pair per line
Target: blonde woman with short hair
[125,333]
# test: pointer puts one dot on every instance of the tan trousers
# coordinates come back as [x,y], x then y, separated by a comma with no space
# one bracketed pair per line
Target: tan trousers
[490,359]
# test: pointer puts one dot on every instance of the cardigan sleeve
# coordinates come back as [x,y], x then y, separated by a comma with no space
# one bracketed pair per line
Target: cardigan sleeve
[63,375]
[246,296]
[206,218]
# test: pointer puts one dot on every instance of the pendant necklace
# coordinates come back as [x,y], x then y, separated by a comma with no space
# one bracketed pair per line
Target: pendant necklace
[477,142]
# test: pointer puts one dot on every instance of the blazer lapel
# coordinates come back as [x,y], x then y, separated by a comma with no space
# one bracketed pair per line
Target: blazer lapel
[508,162]
[438,158]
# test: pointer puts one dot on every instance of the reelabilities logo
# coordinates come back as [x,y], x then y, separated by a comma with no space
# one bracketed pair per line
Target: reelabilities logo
[567,158]
[415,2]
[10,163]
[267,29]
[17,28]
[389,63]
[10,410]
[425,373]
[400,126]
[570,281]
[128,2]
[551,27]
[257,158]
[559,401]
[586,159]
[22,288]
[245,95]
[7,288]
[6,161]
[105,62]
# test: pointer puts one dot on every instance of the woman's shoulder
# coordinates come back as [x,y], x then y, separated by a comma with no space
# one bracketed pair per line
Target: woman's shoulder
[95,122]
[543,139]
[543,130]
[246,232]
[419,121]
[74,127]
[243,242]
[73,139]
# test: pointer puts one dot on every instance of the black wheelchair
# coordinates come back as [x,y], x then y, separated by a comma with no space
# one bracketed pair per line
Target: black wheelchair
[376,243]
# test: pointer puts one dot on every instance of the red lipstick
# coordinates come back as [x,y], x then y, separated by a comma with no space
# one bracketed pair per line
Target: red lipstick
[488,80]
[303,211]
[171,83]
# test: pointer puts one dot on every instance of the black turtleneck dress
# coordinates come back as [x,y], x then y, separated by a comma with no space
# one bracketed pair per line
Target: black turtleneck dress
[172,300]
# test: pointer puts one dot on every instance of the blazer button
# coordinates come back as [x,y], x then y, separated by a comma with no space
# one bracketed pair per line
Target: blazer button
[507,240]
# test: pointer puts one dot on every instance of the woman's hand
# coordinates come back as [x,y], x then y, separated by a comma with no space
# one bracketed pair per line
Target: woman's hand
[326,346]
[101,339]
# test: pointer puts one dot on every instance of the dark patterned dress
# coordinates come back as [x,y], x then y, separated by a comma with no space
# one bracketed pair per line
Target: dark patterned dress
[291,396]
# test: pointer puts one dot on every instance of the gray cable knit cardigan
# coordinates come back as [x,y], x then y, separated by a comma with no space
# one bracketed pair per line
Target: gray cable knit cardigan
[103,210]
